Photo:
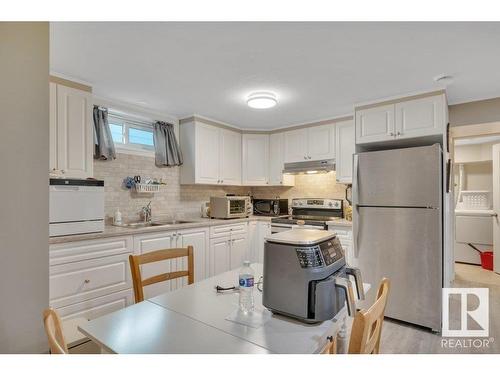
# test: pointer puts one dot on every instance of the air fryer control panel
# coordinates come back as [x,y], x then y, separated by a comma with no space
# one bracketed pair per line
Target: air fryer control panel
[320,255]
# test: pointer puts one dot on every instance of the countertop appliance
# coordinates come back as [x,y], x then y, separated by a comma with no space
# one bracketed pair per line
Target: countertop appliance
[230,207]
[270,207]
[75,206]
[397,229]
[312,213]
[305,275]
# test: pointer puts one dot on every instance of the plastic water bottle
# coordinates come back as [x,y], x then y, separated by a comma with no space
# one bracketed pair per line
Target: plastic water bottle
[246,279]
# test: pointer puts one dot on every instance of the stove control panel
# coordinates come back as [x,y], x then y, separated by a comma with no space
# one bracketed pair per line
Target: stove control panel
[335,204]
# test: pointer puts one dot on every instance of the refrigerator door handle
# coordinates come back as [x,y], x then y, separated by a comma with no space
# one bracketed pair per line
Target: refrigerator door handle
[355,162]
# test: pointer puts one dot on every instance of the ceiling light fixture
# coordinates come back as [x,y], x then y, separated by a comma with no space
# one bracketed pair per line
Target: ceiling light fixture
[262,100]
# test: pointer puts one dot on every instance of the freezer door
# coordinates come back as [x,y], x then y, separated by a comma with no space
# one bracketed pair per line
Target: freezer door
[407,177]
[405,245]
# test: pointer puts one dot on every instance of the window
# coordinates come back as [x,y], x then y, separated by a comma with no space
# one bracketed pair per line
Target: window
[131,135]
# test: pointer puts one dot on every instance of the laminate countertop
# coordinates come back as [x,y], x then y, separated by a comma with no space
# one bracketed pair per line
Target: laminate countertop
[114,231]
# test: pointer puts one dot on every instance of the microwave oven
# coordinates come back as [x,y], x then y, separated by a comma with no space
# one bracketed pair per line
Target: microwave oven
[230,207]
[270,207]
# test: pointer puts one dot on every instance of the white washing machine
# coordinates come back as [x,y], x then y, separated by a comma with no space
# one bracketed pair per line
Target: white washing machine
[475,227]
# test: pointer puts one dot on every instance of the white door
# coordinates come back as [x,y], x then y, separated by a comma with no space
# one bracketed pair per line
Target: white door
[295,145]
[197,238]
[375,124]
[207,154]
[230,160]
[74,132]
[239,252]
[420,117]
[152,242]
[496,207]
[255,159]
[220,260]
[321,142]
[344,150]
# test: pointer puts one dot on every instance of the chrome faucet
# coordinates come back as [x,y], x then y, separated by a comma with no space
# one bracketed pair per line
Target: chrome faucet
[146,212]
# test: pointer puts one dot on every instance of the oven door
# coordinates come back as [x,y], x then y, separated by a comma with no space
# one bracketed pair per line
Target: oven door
[237,208]
[279,227]
[263,207]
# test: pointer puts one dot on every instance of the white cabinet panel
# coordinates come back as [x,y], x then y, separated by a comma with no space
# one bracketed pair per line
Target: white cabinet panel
[276,161]
[198,238]
[295,145]
[321,142]
[255,159]
[97,307]
[239,251]
[78,281]
[375,124]
[72,151]
[53,149]
[227,230]
[230,159]
[207,154]
[264,231]
[220,258]
[344,149]
[420,117]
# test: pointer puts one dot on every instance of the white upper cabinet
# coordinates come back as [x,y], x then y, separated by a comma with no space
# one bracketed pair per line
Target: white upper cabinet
[420,117]
[230,171]
[212,154]
[312,143]
[295,145]
[255,159]
[344,146]
[321,142]
[404,119]
[71,132]
[375,124]
[276,161]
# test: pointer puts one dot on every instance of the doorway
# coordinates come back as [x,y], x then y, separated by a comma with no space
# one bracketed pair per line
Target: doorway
[475,152]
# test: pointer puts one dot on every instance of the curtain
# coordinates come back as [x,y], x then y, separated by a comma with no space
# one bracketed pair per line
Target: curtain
[104,147]
[167,152]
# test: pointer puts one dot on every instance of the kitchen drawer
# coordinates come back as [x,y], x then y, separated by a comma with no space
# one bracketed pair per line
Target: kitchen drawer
[228,230]
[79,281]
[96,307]
[84,250]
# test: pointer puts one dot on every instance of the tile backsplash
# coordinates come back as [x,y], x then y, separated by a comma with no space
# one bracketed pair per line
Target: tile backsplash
[175,200]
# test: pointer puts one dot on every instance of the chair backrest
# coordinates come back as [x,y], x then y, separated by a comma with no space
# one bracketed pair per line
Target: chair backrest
[157,256]
[53,329]
[367,325]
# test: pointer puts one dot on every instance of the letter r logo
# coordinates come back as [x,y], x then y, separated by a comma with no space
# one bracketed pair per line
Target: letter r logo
[471,319]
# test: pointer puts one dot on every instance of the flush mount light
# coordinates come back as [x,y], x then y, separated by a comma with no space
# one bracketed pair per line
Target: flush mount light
[261,100]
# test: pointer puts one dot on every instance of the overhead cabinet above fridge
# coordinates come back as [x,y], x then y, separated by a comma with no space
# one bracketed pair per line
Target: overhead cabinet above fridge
[389,121]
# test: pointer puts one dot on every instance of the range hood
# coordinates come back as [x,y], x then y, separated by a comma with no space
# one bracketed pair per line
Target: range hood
[310,167]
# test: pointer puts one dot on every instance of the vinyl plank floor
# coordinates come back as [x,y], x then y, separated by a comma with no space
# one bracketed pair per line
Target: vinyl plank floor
[402,338]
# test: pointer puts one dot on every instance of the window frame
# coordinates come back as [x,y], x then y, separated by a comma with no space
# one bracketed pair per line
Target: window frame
[128,122]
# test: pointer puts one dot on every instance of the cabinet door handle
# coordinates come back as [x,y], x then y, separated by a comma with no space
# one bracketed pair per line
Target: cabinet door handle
[62,171]
[86,281]
[221,181]
[392,134]
[305,157]
[399,134]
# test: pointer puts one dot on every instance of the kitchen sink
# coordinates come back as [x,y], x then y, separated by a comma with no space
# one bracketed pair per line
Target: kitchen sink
[159,223]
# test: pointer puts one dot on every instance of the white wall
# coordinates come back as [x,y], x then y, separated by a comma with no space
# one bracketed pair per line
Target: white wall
[24,157]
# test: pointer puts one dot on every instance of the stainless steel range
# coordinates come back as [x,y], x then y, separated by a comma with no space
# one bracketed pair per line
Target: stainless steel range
[312,213]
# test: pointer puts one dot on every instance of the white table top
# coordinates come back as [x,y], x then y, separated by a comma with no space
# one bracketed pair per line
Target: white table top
[193,320]
[200,302]
[149,328]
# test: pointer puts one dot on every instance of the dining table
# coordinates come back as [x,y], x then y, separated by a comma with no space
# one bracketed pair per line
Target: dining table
[198,319]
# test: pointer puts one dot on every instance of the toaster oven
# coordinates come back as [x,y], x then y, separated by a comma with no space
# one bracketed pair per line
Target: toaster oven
[230,207]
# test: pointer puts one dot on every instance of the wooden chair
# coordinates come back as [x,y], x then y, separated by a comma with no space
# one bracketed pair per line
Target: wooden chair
[157,256]
[367,325]
[53,329]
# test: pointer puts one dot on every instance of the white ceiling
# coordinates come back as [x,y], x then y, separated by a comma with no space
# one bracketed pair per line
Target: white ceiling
[317,70]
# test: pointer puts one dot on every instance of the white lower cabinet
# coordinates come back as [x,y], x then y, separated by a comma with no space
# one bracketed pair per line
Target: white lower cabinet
[344,235]
[228,247]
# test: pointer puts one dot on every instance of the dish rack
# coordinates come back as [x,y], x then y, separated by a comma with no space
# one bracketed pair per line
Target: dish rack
[476,199]
[147,188]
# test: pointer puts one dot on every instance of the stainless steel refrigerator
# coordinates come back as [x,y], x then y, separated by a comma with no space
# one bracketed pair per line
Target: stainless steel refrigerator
[397,224]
